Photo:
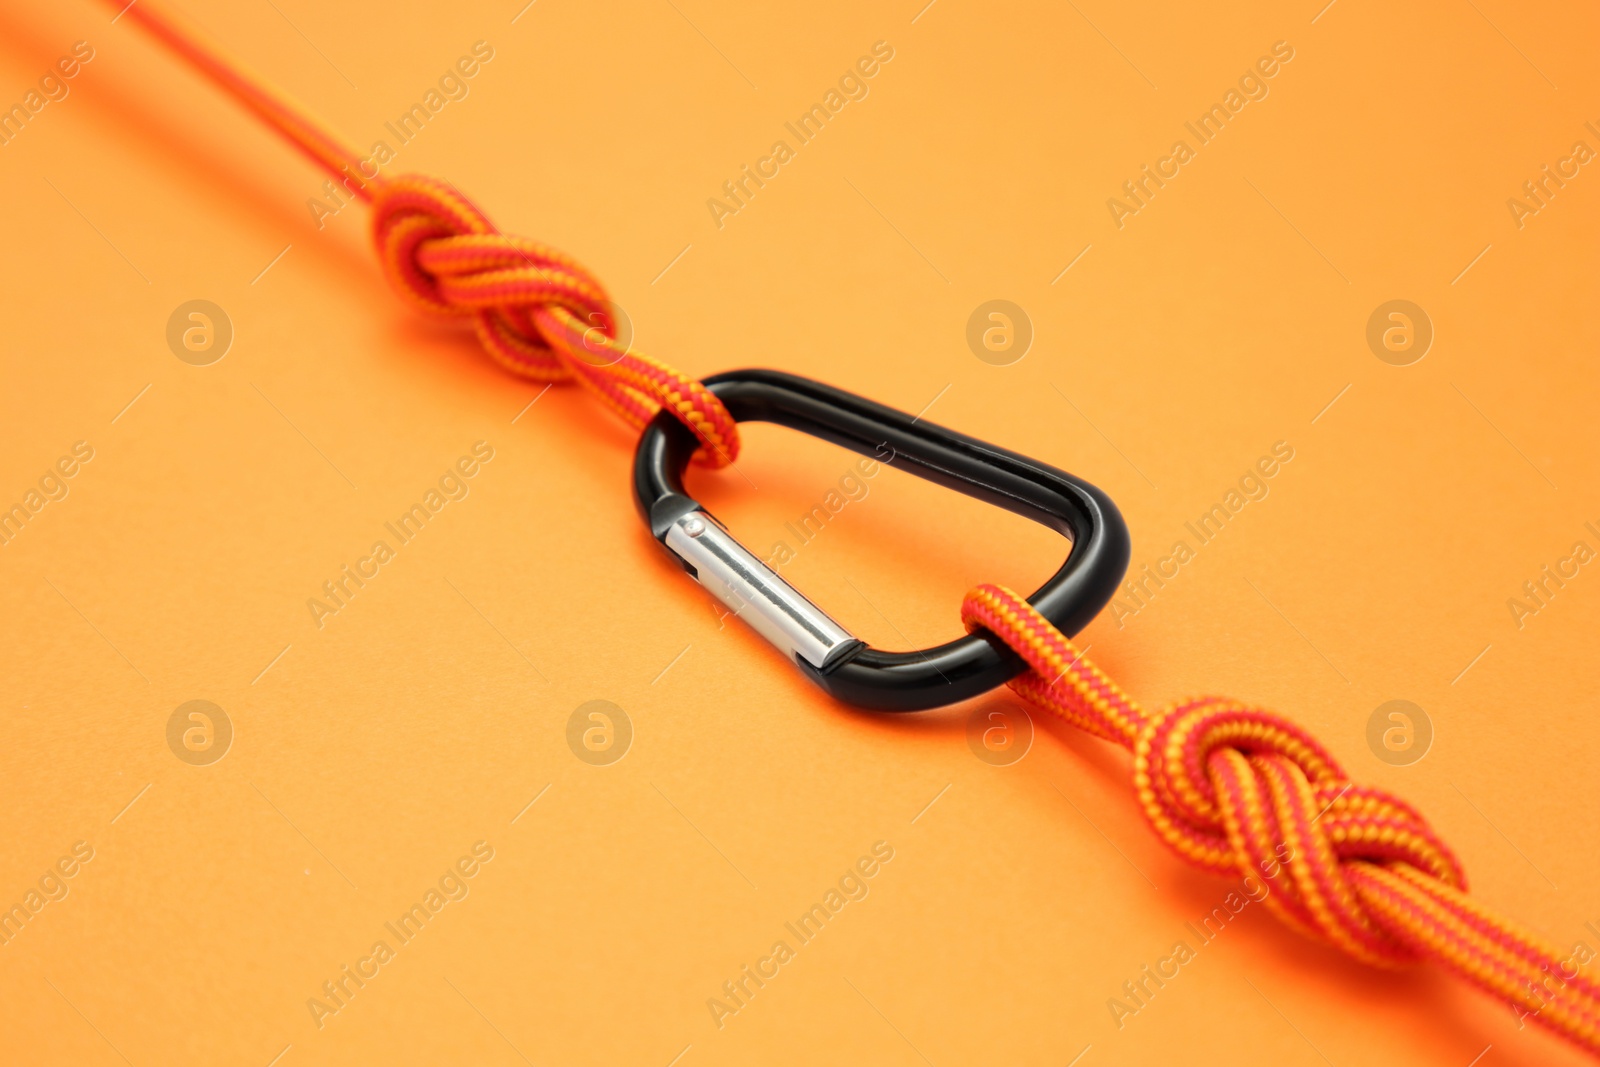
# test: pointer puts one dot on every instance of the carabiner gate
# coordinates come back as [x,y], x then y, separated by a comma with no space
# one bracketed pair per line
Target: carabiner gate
[843,665]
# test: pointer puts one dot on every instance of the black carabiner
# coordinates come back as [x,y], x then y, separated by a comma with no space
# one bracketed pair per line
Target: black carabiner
[844,666]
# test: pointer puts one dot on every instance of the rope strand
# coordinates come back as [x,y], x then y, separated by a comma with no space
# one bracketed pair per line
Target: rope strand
[1230,788]
[537,312]
[1240,790]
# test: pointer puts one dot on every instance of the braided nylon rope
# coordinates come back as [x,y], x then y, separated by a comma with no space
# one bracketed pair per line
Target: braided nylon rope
[1225,785]
[538,313]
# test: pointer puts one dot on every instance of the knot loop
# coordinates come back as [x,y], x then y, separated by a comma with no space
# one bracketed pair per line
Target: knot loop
[1209,771]
[537,312]
[1233,788]
[1239,790]
[1236,789]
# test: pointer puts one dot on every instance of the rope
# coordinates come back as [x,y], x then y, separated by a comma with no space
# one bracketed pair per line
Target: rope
[1240,790]
[538,313]
[1230,788]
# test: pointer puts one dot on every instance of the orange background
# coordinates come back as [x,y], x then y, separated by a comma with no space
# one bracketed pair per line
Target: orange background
[1223,317]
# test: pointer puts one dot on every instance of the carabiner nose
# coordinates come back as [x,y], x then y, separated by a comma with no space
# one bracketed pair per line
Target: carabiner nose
[841,664]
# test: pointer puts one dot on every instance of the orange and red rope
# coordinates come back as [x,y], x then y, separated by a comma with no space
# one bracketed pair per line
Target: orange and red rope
[1230,788]
[538,312]
[1240,790]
